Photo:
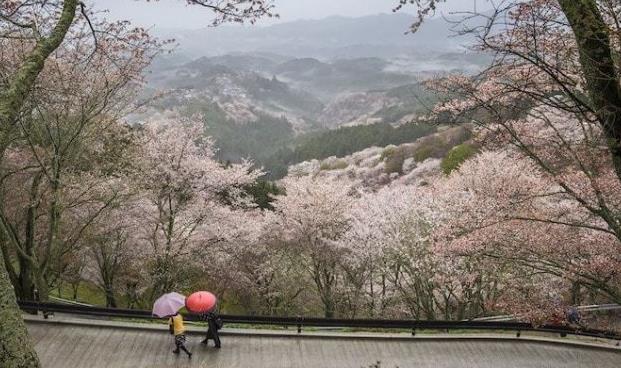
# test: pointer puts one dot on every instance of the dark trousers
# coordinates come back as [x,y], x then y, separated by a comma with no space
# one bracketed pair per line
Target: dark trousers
[180,344]
[212,333]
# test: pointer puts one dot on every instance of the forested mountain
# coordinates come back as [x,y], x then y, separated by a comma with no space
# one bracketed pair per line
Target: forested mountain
[261,107]
[240,93]
[272,94]
[305,90]
[257,139]
[272,144]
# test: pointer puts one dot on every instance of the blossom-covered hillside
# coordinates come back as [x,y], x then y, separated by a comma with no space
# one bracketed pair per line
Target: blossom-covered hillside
[414,163]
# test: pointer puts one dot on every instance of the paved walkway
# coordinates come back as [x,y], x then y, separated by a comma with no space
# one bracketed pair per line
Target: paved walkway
[73,344]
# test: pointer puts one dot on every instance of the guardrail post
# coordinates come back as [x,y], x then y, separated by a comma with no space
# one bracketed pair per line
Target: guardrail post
[518,333]
[299,324]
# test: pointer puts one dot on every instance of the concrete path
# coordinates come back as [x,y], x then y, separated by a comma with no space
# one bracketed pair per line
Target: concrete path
[72,344]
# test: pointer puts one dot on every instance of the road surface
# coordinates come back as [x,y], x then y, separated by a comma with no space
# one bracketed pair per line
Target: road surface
[112,344]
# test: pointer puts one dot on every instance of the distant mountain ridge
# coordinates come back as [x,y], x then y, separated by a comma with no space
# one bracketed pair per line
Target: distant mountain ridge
[381,35]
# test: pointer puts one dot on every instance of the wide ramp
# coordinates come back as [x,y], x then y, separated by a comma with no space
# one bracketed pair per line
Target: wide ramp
[64,344]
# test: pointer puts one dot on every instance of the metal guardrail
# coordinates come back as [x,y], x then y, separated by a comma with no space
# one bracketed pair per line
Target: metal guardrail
[580,308]
[67,301]
[598,307]
[301,322]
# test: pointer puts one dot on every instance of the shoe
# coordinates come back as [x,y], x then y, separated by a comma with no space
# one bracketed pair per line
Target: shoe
[217,346]
[205,342]
[176,351]
[189,355]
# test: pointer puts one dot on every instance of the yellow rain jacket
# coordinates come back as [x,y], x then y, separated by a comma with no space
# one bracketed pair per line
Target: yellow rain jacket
[176,323]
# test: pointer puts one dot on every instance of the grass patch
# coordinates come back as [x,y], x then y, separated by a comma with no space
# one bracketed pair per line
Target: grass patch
[393,161]
[337,165]
[86,293]
[456,156]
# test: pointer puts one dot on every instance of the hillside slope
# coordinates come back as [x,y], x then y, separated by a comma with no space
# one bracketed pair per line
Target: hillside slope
[409,163]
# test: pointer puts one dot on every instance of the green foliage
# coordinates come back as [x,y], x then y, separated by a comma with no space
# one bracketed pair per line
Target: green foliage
[263,192]
[457,156]
[347,140]
[257,140]
[87,292]
[422,153]
[394,161]
[387,152]
[337,165]
[438,146]
[277,164]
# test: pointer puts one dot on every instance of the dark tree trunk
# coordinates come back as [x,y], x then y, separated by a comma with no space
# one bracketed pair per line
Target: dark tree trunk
[110,299]
[16,349]
[12,99]
[74,288]
[26,283]
[598,66]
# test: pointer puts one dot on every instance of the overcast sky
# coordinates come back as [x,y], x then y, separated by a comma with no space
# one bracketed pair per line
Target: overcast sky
[175,14]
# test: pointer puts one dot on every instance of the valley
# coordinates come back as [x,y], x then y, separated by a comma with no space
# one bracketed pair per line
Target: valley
[264,104]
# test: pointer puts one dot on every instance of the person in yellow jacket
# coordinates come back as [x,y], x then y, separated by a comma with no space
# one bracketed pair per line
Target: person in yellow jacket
[178,329]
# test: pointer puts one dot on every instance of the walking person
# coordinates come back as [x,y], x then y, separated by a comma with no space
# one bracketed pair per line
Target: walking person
[177,328]
[214,323]
[573,316]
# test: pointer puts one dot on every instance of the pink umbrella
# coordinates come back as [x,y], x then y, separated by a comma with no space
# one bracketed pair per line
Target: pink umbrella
[168,304]
[201,302]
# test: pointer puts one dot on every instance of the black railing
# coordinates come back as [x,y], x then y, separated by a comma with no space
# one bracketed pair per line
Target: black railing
[301,322]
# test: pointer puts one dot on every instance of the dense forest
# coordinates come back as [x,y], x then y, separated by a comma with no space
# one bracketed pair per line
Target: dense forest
[256,140]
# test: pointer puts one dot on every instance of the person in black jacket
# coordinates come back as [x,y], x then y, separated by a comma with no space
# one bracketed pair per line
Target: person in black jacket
[214,323]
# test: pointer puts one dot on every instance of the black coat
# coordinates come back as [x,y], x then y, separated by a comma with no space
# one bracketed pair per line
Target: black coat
[214,323]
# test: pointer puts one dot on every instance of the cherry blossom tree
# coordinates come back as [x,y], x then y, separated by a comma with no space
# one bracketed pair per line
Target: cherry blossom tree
[548,105]
[504,207]
[77,99]
[113,252]
[188,197]
[314,216]
[376,220]
[254,268]
[558,53]
[403,272]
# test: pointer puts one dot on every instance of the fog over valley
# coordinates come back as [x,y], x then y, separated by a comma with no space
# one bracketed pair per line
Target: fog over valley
[287,80]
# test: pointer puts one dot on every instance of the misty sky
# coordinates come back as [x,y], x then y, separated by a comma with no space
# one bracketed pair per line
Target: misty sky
[175,14]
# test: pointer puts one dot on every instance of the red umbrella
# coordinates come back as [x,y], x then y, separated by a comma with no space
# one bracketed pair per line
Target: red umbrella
[201,302]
